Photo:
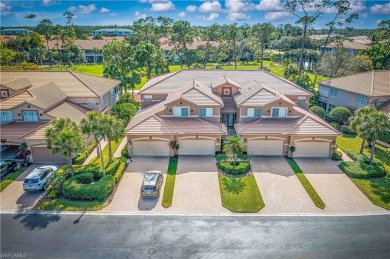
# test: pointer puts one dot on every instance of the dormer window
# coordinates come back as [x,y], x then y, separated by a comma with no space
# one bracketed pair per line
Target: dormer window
[206,112]
[180,111]
[254,112]
[279,112]
[6,116]
[30,116]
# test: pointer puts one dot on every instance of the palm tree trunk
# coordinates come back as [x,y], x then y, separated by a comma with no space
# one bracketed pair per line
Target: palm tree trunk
[372,151]
[109,151]
[69,162]
[362,146]
[102,161]
[97,147]
[262,55]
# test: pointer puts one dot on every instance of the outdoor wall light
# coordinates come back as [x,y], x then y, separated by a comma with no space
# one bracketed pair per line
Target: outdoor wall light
[3,140]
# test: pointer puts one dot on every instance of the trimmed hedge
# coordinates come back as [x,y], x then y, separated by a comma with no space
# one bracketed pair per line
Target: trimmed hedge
[79,160]
[85,178]
[241,168]
[357,157]
[125,152]
[120,169]
[73,189]
[337,156]
[359,169]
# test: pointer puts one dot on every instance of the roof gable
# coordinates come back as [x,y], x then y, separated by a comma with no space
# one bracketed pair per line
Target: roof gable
[68,110]
[46,95]
[309,126]
[15,101]
[98,85]
[17,84]
[224,80]
[152,124]
[260,98]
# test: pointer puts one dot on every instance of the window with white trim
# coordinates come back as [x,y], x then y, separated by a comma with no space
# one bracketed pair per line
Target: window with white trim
[180,111]
[6,116]
[253,112]
[301,99]
[30,116]
[361,100]
[90,101]
[206,112]
[279,112]
[148,97]
[334,92]
[101,101]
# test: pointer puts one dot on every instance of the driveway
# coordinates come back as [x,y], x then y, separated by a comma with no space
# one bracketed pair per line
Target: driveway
[281,190]
[127,196]
[197,186]
[14,198]
[337,191]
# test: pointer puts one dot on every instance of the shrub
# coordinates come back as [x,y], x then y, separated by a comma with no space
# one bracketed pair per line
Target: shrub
[81,158]
[121,168]
[317,110]
[356,156]
[346,130]
[359,169]
[53,193]
[337,156]
[240,168]
[111,168]
[73,189]
[292,149]
[335,125]
[340,115]
[125,152]
[221,157]
[55,182]
[85,178]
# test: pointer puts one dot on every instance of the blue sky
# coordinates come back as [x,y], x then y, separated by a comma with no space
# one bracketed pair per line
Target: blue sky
[200,12]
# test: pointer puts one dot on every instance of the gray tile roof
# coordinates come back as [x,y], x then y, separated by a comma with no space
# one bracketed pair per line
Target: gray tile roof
[17,84]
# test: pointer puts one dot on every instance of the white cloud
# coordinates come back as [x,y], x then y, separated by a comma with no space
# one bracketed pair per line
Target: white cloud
[236,6]
[83,9]
[46,2]
[112,14]
[356,6]
[276,16]
[182,14]
[238,16]
[5,9]
[211,17]
[380,9]
[210,7]
[139,15]
[270,5]
[104,10]
[191,8]
[162,6]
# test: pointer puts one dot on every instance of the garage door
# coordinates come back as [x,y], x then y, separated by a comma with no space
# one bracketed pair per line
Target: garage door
[311,149]
[265,147]
[197,147]
[150,148]
[44,155]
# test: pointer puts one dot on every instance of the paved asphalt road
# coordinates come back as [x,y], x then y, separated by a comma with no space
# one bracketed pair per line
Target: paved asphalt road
[97,236]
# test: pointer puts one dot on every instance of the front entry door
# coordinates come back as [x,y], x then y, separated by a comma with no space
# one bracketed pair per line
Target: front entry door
[230,120]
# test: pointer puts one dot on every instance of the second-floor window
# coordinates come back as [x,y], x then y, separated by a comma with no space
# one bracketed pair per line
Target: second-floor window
[180,111]
[301,99]
[30,116]
[361,100]
[279,112]
[148,97]
[253,112]
[206,112]
[334,92]
[6,116]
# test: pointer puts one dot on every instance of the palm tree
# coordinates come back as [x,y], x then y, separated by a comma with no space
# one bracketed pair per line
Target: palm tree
[357,119]
[30,17]
[374,125]
[114,130]
[235,146]
[93,125]
[65,137]
[47,25]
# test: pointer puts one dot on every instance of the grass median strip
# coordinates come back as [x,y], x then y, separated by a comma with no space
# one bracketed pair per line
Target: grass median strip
[240,194]
[61,204]
[306,184]
[170,183]
[7,181]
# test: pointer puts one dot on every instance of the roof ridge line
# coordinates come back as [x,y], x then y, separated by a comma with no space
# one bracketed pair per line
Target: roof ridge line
[298,123]
[319,120]
[172,74]
[164,122]
[209,123]
[372,82]
[71,72]
[349,75]
[44,125]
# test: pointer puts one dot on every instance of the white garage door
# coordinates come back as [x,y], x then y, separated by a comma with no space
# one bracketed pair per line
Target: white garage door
[44,155]
[312,149]
[265,147]
[197,147]
[150,148]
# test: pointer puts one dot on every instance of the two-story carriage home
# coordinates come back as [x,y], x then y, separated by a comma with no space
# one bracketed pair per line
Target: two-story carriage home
[197,109]
[356,91]
[35,98]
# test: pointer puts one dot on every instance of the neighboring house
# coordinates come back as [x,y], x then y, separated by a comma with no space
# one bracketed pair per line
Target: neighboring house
[15,31]
[112,32]
[198,109]
[351,47]
[168,46]
[356,91]
[41,96]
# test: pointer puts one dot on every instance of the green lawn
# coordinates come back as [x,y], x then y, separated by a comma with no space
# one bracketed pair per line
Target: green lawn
[376,189]
[11,177]
[240,194]
[69,205]
[170,183]
[306,184]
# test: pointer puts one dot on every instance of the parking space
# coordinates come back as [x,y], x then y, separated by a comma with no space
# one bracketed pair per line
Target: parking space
[281,190]
[14,198]
[127,196]
[197,187]
[337,191]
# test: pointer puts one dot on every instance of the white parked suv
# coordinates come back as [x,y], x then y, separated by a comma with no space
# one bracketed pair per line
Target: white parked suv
[37,179]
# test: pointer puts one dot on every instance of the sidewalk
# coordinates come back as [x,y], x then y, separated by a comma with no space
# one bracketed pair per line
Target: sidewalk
[120,147]
[93,154]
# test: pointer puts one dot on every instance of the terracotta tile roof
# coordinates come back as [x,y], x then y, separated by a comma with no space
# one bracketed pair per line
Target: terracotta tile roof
[223,80]
[46,95]
[151,125]
[372,83]
[166,44]
[38,133]
[17,84]
[14,101]
[68,110]
[71,83]
[229,106]
[19,129]
[194,125]
[349,45]
[266,126]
